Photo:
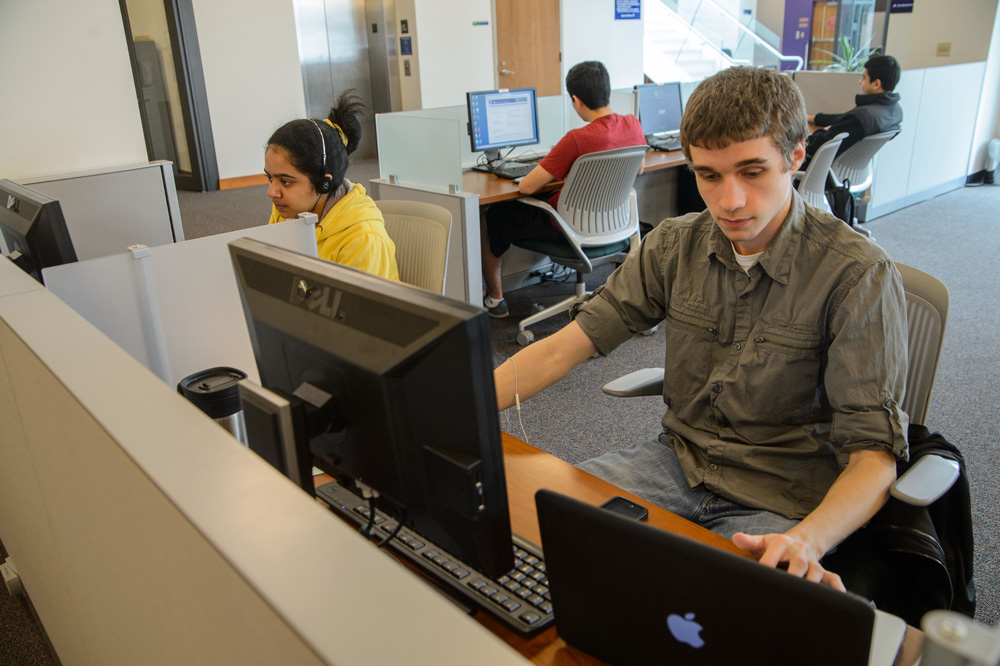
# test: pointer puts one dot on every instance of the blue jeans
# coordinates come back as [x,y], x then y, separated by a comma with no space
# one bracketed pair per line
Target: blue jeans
[650,470]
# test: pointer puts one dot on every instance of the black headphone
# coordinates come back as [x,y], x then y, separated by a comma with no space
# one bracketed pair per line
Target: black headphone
[325,184]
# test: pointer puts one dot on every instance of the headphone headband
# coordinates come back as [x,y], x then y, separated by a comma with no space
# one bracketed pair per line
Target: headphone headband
[325,183]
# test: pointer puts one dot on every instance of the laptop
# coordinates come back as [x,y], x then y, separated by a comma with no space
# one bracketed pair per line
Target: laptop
[629,593]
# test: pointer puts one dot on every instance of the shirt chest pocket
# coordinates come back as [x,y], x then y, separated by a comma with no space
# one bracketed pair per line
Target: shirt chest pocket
[790,362]
[693,350]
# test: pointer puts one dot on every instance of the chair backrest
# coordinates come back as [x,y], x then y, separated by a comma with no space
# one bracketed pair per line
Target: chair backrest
[926,314]
[855,163]
[594,202]
[812,187]
[420,232]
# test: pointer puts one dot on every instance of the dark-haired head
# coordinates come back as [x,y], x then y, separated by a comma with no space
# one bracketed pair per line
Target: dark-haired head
[885,69]
[305,141]
[590,82]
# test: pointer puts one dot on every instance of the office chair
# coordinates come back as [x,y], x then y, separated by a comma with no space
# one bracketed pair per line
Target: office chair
[598,216]
[929,540]
[856,166]
[812,181]
[420,232]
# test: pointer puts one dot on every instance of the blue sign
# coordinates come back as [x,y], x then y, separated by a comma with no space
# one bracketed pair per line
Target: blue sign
[901,7]
[628,10]
[406,46]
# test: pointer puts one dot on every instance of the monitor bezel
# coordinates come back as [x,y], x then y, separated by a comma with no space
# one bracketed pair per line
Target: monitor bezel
[638,92]
[495,148]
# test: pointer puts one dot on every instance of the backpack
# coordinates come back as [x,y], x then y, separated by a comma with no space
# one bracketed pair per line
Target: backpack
[841,200]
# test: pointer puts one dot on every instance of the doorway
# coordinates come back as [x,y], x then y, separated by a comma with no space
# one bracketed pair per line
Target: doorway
[528,46]
[170,87]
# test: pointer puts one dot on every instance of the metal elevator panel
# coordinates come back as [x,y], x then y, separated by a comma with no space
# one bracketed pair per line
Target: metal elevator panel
[334,56]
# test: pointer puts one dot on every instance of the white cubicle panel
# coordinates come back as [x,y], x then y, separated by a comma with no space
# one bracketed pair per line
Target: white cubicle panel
[175,308]
[145,534]
[108,210]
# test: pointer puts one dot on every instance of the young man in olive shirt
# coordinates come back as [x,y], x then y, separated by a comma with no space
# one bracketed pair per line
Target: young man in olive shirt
[785,343]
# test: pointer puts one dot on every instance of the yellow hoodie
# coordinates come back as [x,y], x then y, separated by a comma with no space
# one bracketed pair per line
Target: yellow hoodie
[353,233]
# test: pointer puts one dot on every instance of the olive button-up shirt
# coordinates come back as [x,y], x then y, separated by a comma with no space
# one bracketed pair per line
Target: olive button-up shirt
[774,377]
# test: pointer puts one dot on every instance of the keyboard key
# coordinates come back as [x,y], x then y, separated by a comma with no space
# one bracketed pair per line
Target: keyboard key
[499,597]
[524,592]
[513,586]
[532,560]
[460,573]
[477,584]
[545,607]
[528,617]
[534,599]
[488,590]
[510,605]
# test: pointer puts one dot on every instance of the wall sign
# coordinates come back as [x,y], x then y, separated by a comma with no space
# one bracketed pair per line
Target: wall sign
[406,45]
[626,10]
[901,7]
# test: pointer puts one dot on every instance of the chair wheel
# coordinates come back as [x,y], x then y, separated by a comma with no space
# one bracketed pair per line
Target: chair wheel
[525,338]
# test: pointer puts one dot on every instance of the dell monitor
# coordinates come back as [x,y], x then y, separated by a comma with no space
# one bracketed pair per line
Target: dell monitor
[658,106]
[34,230]
[501,119]
[398,390]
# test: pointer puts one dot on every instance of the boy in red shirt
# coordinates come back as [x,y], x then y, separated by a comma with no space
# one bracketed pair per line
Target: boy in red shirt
[589,87]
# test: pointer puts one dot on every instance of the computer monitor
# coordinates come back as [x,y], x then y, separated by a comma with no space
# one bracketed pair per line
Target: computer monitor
[34,230]
[658,106]
[397,384]
[501,119]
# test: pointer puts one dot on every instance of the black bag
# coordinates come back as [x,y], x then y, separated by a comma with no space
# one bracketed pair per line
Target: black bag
[841,200]
[909,559]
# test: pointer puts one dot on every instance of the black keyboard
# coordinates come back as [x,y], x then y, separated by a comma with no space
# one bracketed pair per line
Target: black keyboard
[667,144]
[520,598]
[512,170]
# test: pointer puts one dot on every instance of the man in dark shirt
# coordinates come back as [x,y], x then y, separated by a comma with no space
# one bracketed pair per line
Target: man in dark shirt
[877,109]
[785,330]
[589,88]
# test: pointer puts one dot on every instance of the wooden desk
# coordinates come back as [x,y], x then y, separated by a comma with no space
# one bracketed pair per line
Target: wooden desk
[528,469]
[492,189]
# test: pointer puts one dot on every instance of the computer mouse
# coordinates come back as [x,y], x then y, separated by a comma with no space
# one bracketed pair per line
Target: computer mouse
[518,179]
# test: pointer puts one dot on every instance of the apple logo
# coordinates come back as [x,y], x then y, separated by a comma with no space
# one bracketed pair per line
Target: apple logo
[685,629]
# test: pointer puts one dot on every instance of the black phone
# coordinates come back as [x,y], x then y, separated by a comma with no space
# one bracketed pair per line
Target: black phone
[627,508]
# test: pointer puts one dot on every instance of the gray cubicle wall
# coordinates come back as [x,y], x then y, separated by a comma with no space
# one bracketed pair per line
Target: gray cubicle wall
[108,210]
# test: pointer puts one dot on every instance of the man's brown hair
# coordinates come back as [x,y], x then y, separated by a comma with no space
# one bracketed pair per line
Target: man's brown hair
[742,104]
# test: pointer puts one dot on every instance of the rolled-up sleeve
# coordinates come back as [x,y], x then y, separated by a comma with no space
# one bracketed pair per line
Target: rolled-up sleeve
[632,299]
[866,370]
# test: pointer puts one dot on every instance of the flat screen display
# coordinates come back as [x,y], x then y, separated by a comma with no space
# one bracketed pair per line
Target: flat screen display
[658,106]
[502,118]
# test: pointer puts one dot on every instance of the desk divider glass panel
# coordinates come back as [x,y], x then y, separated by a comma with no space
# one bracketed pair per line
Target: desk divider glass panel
[420,149]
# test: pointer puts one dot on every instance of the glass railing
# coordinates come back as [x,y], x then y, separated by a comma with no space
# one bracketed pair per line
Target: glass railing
[691,39]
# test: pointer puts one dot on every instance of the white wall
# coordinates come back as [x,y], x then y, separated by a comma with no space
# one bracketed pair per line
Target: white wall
[590,32]
[455,55]
[69,102]
[967,24]
[250,58]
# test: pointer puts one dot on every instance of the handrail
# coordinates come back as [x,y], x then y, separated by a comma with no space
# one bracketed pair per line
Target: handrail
[799,63]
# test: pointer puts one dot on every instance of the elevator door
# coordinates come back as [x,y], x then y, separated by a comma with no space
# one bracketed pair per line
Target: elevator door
[333,53]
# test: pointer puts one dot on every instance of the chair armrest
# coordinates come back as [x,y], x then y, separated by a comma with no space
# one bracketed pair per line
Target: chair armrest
[648,381]
[926,481]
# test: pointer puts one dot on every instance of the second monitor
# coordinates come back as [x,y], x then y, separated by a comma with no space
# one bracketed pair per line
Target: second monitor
[659,108]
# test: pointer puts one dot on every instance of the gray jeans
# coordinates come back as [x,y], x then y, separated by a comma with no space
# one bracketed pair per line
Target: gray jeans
[650,470]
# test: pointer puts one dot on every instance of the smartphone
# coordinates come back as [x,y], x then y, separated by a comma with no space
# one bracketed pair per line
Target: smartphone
[627,508]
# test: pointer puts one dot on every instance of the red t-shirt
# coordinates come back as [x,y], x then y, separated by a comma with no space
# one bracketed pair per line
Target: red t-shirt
[604,133]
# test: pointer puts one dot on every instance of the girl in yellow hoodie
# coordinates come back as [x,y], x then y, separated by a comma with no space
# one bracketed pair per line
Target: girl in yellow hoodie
[305,163]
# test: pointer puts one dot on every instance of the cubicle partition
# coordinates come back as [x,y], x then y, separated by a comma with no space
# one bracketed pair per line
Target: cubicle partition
[107,210]
[145,534]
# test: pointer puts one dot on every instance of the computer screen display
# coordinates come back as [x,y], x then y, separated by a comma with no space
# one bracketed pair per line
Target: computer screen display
[658,106]
[401,386]
[502,118]
[33,229]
